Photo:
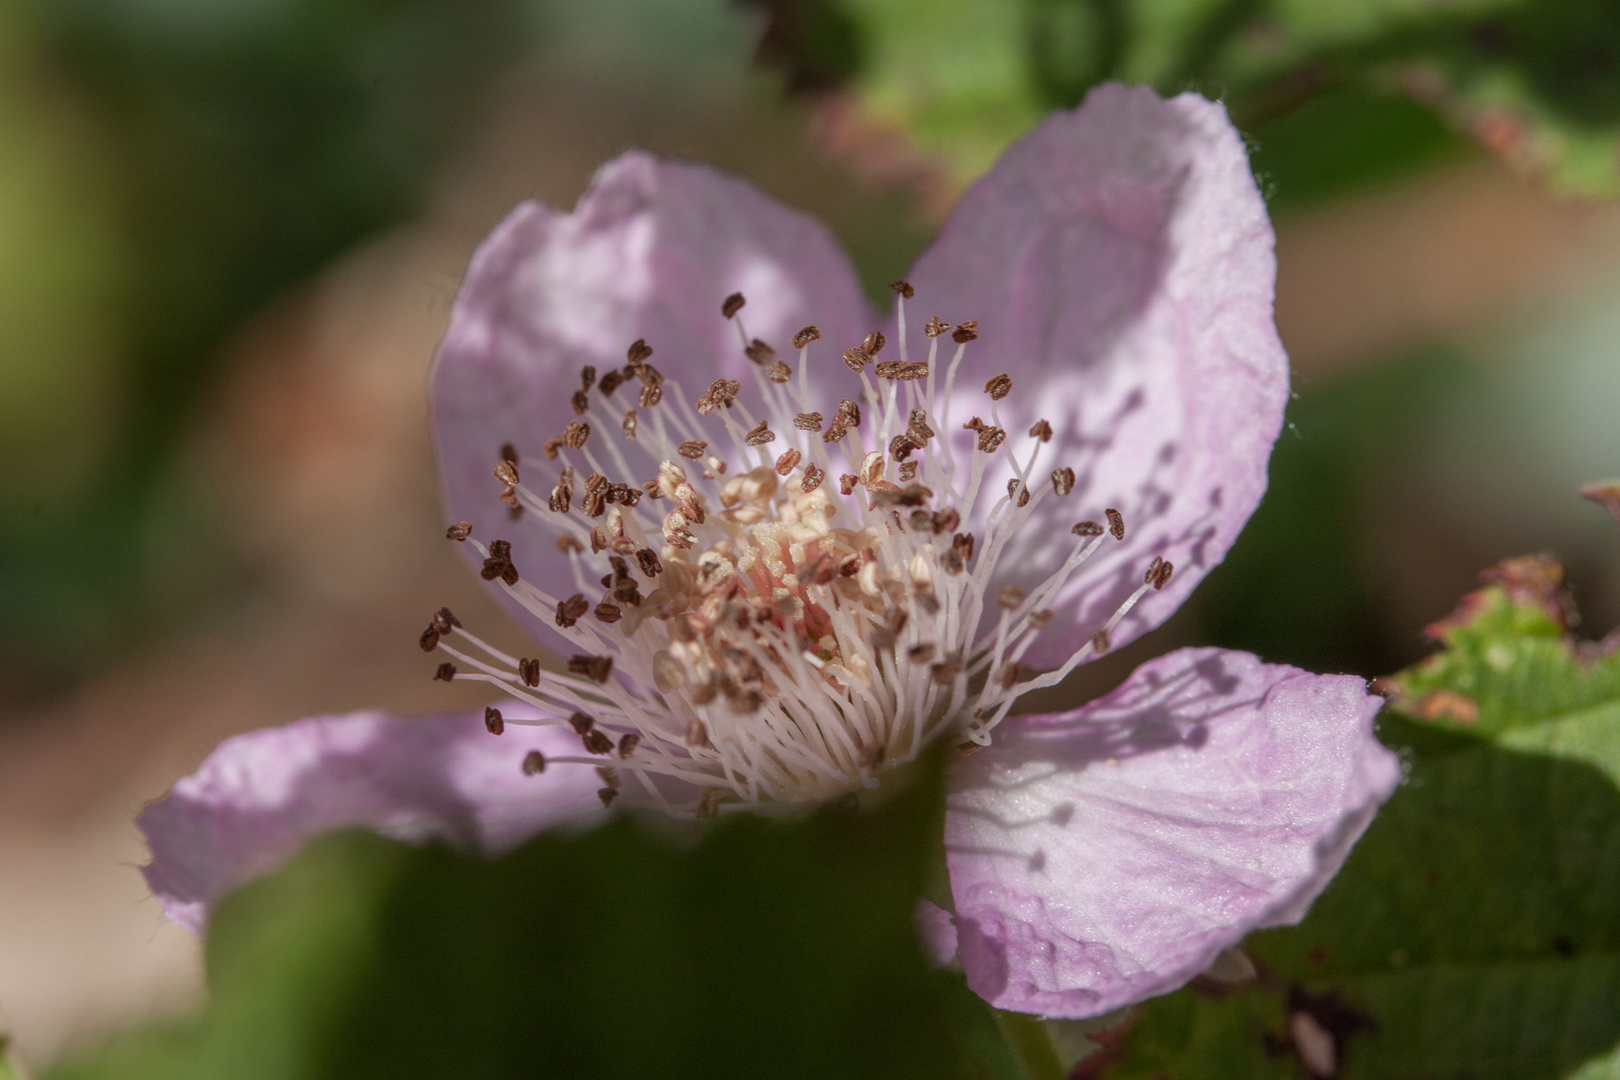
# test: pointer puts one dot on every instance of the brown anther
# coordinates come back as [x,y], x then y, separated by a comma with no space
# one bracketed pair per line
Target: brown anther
[808,421]
[805,337]
[550,447]
[1018,492]
[846,483]
[733,304]
[691,450]
[849,413]
[856,360]
[1039,619]
[917,427]
[1009,676]
[850,565]
[812,478]
[608,613]
[1116,523]
[788,462]
[649,375]
[1010,597]
[908,472]
[567,545]
[697,734]
[638,352]
[581,722]
[998,387]
[946,671]
[965,332]
[708,804]
[628,744]
[429,640]
[628,425]
[459,531]
[1063,480]
[595,668]
[778,372]
[1099,642]
[576,434]
[599,540]
[1162,578]
[648,559]
[562,496]
[888,369]
[990,438]
[912,372]
[595,482]
[607,795]
[901,446]
[946,520]
[1087,528]
[962,544]
[597,742]
[627,592]
[611,382]
[581,403]
[587,377]
[974,424]
[534,763]
[1041,430]
[595,504]
[509,453]
[493,720]
[649,396]
[1152,570]
[529,671]
[873,343]
[934,327]
[571,610]
[759,435]
[903,288]
[921,654]
[446,672]
[834,432]
[444,620]
[759,352]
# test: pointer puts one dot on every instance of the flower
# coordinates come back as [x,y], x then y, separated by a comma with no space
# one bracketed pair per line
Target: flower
[787,548]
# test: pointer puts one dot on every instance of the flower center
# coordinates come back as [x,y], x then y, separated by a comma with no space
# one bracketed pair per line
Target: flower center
[782,631]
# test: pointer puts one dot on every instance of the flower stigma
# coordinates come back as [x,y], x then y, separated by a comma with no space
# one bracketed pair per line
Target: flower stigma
[792,602]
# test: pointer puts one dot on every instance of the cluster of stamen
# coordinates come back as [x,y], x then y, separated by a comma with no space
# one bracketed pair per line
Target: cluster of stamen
[761,635]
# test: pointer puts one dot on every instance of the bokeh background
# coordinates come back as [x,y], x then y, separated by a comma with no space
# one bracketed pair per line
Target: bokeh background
[230,231]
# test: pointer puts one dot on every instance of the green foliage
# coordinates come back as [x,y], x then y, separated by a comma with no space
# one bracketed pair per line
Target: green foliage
[769,948]
[1538,84]
[1475,930]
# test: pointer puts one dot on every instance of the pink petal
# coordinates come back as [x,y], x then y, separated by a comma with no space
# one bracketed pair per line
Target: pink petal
[651,251]
[1120,262]
[937,929]
[1105,855]
[260,797]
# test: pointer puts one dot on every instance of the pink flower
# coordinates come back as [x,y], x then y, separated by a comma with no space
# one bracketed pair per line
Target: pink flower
[788,547]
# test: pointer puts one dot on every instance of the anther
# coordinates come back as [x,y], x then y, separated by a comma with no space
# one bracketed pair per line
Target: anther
[778,372]
[607,795]
[990,438]
[628,744]
[849,414]
[597,742]
[805,337]
[571,610]
[493,720]
[846,483]
[917,427]
[611,382]
[903,288]
[733,304]
[1087,528]
[581,722]
[650,395]
[921,654]
[759,352]
[813,476]
[534,763]
[639,350]
[1099,641]
[908,471]
[529,671]
[998,387]
[888,369]
[459,531]
[1009,676]
[856,360]
[759,435]
[595,668]
[965,332]
[446,672]
[1018,491]
[692,449]
[576,434]
[934,327]
[901,446]
[1063,480]
[580,402]
[946,671]
[873,343]
[628,425]
[912,372]
[608,613]
[429,640]
[708,805]
[444,620]
[697,734]
[1116,523]
[1010,597]
[1162,578]
[567,545]
[509,453]
[788,462]
[650,566]
[587,377]
[946,520]
[1042,431]
[808,421]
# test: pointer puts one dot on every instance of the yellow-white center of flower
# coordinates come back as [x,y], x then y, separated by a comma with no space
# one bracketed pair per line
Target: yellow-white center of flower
[791,604]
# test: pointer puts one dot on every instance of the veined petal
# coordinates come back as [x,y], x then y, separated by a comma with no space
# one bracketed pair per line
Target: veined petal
[1106,855]
[1120,263]
[260,797]
[651,251]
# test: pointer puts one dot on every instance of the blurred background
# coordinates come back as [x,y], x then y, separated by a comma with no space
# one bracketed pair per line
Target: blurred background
[230,231]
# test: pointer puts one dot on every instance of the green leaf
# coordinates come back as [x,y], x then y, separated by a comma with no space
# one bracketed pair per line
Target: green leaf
[1475,930]
[767,948]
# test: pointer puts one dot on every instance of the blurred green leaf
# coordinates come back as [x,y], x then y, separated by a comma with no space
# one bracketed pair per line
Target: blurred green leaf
[1476,928]
[769,948]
